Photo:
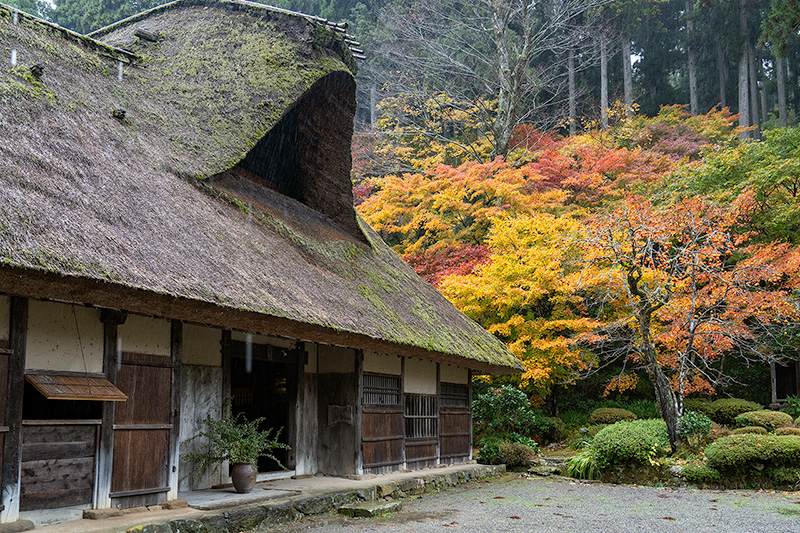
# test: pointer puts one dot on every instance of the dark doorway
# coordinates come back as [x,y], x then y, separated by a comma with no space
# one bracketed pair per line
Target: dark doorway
[264,388]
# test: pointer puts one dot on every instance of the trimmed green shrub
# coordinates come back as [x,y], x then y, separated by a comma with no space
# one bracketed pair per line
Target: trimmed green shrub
[699,405]
[725,410]
[610,415]
[509,453]
[513,454]
[694,428]
[738,452]
[757,430]
[639,441]
[784,475]
[701,474]
[766,419]
[787,431]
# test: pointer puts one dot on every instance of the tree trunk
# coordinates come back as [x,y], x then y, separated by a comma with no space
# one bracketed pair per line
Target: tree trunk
[780,76]
[627,74]
[668,405]
[373,107]
[691,56]
[755,120]
[744,96]
[603,82]
[722,72]
[744,92]
[573,115]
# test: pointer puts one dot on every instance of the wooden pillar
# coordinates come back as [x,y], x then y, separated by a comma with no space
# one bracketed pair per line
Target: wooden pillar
[176,356]
[111,320]
[359,411]
[469,403]
[438,415]
[12,447]
[403,406]
[226,370]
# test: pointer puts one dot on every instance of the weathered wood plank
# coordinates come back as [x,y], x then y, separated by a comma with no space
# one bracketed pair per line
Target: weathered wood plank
[43,476]
[56,433]
[39,451]
[55,499]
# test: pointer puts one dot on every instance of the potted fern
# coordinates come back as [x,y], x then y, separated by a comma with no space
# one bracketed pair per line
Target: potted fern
[238,441]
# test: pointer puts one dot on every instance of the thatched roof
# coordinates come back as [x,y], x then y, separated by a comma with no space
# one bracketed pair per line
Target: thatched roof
[210,183]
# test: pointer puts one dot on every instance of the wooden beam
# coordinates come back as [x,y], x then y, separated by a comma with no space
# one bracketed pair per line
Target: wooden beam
[176,355]
[111,319]
[12,445]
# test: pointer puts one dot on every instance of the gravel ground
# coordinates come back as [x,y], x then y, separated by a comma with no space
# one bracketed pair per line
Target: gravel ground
[511,503]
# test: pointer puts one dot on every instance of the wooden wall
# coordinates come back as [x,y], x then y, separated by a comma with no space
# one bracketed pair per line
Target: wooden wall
[57,464]
[337,390]
[201,394]
[426,422]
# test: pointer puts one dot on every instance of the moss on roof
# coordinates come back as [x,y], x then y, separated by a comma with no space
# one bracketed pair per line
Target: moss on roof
[152,200]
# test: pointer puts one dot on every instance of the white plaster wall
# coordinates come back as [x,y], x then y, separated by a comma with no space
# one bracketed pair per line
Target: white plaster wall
[202,345]
[263,339]
[311,364]
[420,376]
[5,318]
[453,374]
[379,363]
[335,359]
[64,337]
[144,334]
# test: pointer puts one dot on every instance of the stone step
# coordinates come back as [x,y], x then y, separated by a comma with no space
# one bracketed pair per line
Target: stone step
[368,509]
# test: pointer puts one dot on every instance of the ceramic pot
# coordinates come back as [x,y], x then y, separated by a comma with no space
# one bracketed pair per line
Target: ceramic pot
[243,476]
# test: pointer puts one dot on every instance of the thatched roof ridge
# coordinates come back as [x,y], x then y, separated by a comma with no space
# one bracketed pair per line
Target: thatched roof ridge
[333,35]
[161,192]
[83,40]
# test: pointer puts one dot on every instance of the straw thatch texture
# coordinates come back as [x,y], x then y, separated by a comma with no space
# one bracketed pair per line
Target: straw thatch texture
[172,208]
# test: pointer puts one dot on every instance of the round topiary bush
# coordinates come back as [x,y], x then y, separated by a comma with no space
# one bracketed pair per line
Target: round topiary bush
[699,405]
[766,419]
[638,441]
[513,454]
[740,452]
[787,431]
[725,410]
[701,475]
[610,415]
[758,430]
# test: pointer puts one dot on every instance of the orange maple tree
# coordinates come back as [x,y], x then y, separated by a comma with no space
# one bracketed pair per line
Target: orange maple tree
[686,289]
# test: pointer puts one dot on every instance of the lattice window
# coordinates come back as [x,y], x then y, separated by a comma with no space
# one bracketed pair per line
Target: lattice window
[422,416]
[381,390]
[455,395]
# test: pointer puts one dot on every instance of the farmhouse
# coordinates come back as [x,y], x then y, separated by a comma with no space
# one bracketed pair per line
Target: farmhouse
[177,229]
